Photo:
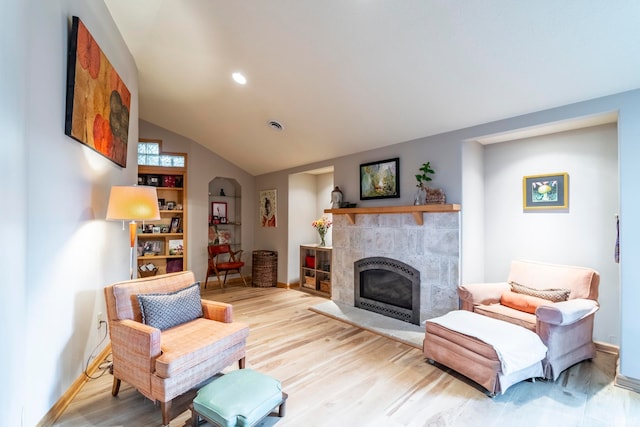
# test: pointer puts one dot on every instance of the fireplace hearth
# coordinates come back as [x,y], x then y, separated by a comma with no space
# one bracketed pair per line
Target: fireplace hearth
[389,287]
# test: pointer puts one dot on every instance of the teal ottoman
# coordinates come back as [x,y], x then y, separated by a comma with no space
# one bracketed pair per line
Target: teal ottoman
[240,398]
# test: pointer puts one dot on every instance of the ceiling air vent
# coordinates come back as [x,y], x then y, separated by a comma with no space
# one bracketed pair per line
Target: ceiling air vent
[275,125]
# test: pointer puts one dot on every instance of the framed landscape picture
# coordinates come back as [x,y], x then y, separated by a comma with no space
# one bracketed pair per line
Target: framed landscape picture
[380,180]
[549,191]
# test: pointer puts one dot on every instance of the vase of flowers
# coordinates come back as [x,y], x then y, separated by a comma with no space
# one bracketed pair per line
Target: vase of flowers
[322,225]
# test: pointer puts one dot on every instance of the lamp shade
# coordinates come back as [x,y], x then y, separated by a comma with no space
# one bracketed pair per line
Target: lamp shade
[133,203]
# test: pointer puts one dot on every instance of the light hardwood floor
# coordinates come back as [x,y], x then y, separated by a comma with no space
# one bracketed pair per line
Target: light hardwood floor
[339,375]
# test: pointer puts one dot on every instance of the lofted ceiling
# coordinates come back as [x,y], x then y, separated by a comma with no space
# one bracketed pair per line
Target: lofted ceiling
[344,76]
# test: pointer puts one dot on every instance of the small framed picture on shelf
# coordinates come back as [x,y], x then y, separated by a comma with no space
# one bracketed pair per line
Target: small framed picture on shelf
[164,229]
[156,229]
[175,224]
[141,180]
[215,220]
[224,236]
[150,247]
[219,209]
[223,220]
[176,247]
[153,180]
[161,204]
[148,228]
[169,181]
[171,205]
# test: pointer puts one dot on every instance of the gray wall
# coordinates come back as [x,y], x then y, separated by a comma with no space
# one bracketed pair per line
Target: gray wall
[203,166]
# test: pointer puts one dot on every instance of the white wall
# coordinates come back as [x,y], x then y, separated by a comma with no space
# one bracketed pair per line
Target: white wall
[302,207]
[13,263]
[583,235]
[71,251]
[473,212]
[324,187]
[309,195]
[628,154]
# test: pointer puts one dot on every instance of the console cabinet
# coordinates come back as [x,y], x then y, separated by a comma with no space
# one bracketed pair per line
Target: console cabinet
[315,269]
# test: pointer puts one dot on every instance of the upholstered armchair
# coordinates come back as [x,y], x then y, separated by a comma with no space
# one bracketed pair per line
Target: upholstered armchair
[165,340]
[557,302]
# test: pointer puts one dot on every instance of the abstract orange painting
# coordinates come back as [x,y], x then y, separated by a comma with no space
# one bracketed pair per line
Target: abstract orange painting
[98,102]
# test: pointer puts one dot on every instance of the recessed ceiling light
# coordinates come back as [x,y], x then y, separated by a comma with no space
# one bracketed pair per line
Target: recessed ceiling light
[239,78]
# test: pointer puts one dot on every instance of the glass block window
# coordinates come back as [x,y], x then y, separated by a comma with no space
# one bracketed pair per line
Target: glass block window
[149,155]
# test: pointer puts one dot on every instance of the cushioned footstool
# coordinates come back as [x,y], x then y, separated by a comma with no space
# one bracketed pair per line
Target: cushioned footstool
[491,352]
[240,398]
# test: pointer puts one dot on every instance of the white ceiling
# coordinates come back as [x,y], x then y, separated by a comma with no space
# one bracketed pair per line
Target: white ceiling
[344,76]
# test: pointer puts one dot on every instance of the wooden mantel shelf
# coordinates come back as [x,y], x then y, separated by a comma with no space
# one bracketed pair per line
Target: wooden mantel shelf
[416,211]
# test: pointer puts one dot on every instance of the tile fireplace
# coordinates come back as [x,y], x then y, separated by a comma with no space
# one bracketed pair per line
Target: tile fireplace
[431,247]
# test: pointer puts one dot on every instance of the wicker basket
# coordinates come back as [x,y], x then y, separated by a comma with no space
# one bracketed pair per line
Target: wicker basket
[325,286]
[264,272]
[147,273]
[309,282]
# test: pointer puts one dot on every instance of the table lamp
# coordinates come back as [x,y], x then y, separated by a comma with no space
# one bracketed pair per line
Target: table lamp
[133,203]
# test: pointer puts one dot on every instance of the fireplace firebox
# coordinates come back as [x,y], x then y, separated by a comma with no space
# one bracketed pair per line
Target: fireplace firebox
[389,287]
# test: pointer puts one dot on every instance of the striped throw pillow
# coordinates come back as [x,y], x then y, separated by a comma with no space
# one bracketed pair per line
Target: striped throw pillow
[553,295]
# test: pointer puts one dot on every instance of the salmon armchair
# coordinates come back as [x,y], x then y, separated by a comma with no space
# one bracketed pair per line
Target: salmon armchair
[162,360]
[557,302]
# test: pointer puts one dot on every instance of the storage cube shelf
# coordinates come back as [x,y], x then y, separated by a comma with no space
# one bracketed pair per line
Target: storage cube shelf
[315,269]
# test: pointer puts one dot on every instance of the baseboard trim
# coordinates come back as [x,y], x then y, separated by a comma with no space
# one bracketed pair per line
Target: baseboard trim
[64,401]
[627,383]
[607,348]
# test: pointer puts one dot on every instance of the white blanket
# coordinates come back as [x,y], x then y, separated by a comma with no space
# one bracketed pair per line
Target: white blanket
[517,347]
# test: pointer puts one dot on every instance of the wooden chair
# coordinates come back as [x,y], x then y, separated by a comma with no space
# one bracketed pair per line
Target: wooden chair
[218,263]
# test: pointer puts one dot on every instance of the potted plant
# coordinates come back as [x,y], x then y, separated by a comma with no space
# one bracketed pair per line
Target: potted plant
[422,179]
[425,194]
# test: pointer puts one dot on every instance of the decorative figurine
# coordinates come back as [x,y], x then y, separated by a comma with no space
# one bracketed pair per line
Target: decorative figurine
[336,198]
